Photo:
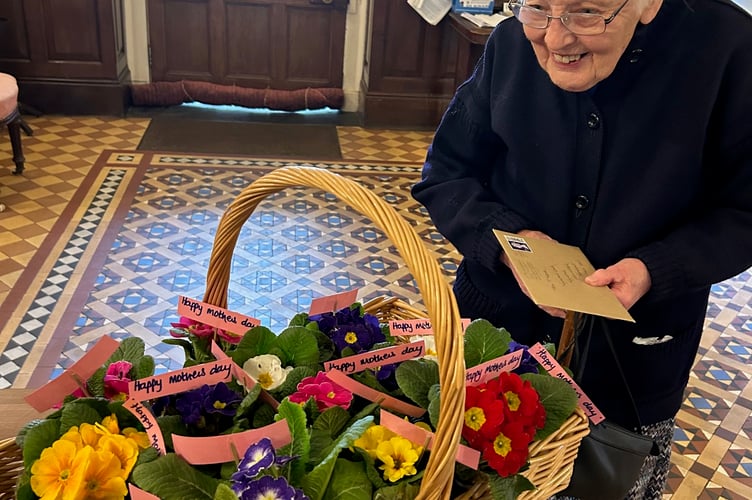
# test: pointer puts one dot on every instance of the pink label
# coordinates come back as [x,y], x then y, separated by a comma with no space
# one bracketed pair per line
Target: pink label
[219,449]
[379,357]
[373,395]
[422,326]
[492,369]
[215,316]
[332,303]
[182,380]
[465,455]
[55,390]
[548,362]
[139,494]
[149,421]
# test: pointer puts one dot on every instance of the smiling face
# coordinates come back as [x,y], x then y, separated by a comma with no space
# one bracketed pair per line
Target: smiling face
[576,62]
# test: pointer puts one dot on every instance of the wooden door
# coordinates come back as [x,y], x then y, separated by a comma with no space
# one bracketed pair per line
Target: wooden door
[278,44]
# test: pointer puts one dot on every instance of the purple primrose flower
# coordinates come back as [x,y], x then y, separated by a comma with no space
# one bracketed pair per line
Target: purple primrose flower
[347,328]
[269,488]
[221,399]
[528,364]
[258,457]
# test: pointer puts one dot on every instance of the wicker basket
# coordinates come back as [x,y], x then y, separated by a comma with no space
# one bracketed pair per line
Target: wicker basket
[11,466]
[550,460]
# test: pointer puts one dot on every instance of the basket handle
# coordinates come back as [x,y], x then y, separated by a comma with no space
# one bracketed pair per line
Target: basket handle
[437,295]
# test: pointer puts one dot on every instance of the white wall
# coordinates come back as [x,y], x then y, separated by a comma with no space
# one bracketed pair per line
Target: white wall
[136,40]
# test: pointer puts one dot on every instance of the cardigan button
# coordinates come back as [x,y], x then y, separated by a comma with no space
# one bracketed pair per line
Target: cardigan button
[635,55]
[593,121]
[581,202]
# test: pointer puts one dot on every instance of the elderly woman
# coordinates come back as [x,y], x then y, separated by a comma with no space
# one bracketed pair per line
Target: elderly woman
[623,127]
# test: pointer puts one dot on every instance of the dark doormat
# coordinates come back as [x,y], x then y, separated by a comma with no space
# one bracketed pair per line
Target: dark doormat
[181,135]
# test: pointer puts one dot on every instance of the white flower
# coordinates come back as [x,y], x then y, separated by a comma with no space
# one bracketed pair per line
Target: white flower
[267,370]
[430,346]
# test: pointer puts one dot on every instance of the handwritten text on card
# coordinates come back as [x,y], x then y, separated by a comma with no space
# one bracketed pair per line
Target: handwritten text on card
[215,316]
[422,326]
[379,357]
[181,380]
[541,354]
[491,369]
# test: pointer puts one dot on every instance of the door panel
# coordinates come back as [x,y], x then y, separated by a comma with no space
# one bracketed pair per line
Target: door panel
[278,44]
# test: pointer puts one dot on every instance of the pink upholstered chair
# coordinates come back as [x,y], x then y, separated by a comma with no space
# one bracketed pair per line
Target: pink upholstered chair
[10,116]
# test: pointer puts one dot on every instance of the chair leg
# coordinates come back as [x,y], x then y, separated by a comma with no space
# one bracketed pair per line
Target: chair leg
[14,130]
[25,127]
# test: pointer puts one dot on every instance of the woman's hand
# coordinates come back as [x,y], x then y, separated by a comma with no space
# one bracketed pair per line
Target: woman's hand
[528,233]
[629,279]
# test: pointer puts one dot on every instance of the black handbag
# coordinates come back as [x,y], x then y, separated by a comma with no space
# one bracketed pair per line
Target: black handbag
[610,458]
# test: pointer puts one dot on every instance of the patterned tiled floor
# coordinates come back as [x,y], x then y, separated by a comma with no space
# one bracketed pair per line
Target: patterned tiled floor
[95,243]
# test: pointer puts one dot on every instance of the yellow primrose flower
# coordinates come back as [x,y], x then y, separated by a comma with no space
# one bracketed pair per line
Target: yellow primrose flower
[140,438]
[74,437]
[90,434]
[98,477]
[51,473]
[398,456]
[126,450]
[371,438]
[110,424]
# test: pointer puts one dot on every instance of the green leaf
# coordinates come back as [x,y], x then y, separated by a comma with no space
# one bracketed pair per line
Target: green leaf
[23,488]
[415,377]
[38,437]
[227,469]
[508,488]
[315,483]
[332,420]
[169,425]
[81,411]
[321,443]
[171,478]
[326,345]
[144,367]
[374,475]
[349,482]
[484,342]
[245,405]
[258,340]
[224,492]
[300,319]
[264,415]
[402,491]
[299,347]
[131,349]
[300,445]
[95,384]
[146,456]
[185,344]
[557,397]
[434,408]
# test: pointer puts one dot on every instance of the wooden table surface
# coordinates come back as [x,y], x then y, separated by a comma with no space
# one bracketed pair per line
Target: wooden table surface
[14,411]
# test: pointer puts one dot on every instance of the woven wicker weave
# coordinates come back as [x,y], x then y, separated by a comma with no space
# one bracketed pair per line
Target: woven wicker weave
[11,466]
[550,460]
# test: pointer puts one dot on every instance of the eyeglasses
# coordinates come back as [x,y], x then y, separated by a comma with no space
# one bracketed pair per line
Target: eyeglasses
[579,23]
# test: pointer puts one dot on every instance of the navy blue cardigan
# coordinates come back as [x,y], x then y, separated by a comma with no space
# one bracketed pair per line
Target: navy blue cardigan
[654,163]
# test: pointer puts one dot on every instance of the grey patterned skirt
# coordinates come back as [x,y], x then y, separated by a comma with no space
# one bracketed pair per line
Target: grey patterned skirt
[652,480]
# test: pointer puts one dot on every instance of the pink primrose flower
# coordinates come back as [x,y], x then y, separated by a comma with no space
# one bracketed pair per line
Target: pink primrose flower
[116,379]
[325,392]
[187,326]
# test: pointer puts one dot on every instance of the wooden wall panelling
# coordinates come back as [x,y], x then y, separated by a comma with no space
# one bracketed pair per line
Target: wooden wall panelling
[68,56]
